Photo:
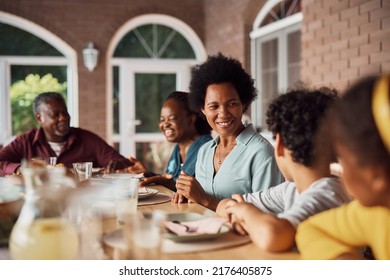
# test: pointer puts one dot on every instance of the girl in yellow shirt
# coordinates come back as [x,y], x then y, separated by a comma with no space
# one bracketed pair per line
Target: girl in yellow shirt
[360,133]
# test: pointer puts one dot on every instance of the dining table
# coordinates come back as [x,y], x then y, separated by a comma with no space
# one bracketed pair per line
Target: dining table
[110,243]
[234,247]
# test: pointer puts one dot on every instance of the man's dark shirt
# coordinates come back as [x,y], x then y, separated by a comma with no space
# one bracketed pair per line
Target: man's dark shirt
[80,145]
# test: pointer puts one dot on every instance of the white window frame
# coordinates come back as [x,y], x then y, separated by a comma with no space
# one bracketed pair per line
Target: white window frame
[279,30]
[69,60]
[126,77]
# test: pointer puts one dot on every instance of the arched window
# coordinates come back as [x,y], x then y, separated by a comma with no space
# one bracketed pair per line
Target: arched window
[154,41]
[150,56]
[276,47]
[30,58]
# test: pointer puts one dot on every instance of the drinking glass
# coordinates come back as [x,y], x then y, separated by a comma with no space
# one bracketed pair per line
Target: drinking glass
[145,234]
[126,198]
[51,161]
[83,171]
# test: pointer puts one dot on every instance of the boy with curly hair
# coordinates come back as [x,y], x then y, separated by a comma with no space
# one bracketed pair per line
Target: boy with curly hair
[303,155]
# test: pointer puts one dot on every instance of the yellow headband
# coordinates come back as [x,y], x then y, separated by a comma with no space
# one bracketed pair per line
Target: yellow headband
[381,109]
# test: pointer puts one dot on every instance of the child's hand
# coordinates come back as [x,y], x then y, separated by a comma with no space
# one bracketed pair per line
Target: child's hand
[238,197]
[221,208]
[237,211]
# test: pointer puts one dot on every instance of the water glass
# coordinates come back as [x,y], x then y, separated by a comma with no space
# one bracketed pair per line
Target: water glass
[145,234]
[51,161]
[83,171]
[126,198]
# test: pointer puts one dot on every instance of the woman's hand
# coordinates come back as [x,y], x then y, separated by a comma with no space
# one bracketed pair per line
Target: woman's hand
[190,188]
[164,180]
[178,198]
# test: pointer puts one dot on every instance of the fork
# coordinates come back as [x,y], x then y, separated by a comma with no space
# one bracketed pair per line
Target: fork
[188,229]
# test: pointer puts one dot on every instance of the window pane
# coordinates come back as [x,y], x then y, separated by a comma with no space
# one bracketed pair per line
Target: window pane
[269,55]
[20,72]
[20,42]
[131,46]
[177,47]
[294,57]
[150,93]
[27,83]
[269,77]
[115,99]
[282,10]
[152,40]
[154,155]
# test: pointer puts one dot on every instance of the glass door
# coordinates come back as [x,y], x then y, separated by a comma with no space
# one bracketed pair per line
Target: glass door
[143,87]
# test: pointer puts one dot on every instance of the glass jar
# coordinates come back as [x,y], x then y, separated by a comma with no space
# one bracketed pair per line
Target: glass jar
[42,231]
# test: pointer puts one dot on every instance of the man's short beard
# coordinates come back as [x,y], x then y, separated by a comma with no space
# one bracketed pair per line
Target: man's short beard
[62,133]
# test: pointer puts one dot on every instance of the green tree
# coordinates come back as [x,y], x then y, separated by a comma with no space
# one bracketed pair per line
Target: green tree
[23,93]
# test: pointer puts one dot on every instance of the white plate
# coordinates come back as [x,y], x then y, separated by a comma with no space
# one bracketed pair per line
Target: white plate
[115,239]
[122,175]
[104,196]
[96,170]
[188,217]
[147,193]
[10,193]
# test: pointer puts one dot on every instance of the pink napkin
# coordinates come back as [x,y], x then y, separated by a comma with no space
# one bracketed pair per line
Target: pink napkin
[210,225]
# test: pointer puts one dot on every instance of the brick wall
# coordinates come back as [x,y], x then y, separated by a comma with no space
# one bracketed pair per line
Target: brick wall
[227,27]
[224,27]
[343,40]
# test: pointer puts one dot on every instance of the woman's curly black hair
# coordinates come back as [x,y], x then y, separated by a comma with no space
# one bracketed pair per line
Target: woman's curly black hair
[297,116]
[201,125]
[219,69]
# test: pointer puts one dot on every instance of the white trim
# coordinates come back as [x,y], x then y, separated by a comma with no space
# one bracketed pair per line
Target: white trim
[264,12]
[279,30]
[275,26]
[140,61]
[35,60]
[128,69]
[5,129]
[149,137]
[38,31]
[70,61]
[254,110]
[187,32]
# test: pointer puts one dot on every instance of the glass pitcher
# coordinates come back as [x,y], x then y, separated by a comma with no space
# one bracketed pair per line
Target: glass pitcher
[42,231]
